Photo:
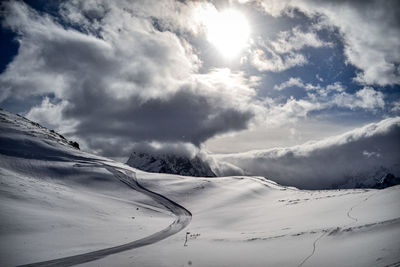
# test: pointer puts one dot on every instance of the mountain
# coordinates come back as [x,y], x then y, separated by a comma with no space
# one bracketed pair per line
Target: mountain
[387,181]
[173,164]
[61,206]
[30,134]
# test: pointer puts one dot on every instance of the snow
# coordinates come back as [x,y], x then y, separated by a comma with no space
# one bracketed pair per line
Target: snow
[57,201]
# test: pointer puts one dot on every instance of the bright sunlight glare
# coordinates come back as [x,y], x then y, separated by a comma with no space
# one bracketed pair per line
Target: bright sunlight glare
[228,31]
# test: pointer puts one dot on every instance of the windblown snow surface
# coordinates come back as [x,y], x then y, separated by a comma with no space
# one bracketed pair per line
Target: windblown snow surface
[60,206]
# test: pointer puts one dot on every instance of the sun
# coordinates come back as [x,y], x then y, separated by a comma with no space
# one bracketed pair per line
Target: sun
[228,31]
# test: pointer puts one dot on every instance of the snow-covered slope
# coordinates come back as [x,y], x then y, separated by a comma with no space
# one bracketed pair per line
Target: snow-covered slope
[173,164]
[57,201]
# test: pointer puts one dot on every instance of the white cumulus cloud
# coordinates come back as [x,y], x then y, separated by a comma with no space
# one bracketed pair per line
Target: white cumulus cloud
[370,31]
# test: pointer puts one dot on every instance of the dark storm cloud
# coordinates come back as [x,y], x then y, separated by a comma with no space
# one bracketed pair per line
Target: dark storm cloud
[183,116]
[134,84]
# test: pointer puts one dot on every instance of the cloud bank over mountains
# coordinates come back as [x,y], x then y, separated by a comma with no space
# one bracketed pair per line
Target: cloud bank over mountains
[357,157]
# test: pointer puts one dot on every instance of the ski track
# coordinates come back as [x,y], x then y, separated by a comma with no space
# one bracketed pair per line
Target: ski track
[183,218]
[354,219]
[313,251]
[351,209]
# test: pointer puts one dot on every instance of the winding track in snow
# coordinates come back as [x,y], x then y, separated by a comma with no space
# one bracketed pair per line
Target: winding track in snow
[183,218]
[314,248]
[323,234]
[351,209]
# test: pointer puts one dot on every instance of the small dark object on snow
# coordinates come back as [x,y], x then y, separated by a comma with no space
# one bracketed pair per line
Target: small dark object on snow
[186,239]
[74,144]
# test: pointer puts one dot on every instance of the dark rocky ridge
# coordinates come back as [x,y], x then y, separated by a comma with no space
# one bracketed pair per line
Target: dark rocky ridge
[173,164]
[387,181]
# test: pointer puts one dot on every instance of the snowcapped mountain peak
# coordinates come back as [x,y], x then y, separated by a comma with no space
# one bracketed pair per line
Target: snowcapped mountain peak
[170,163]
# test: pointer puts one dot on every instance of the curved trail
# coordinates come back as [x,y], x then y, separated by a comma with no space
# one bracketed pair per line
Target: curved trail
[323,234]
[351,209]
[313,251]
[183,218]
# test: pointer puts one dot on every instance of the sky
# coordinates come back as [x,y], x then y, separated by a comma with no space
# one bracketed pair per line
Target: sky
[218,76]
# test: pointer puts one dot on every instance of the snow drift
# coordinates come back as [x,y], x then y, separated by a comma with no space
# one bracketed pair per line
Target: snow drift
[359,158]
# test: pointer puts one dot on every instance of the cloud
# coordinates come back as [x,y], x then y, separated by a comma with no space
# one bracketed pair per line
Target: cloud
[359,156]
[113,75]
[290,111]
[50,114]
[267,59]
[319,99]
[289,83]
[395,106]
[283,53]
[296,82]
[370,30]
[119,76]
[334,94]
[223,168]
[366,98]
[296,40]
